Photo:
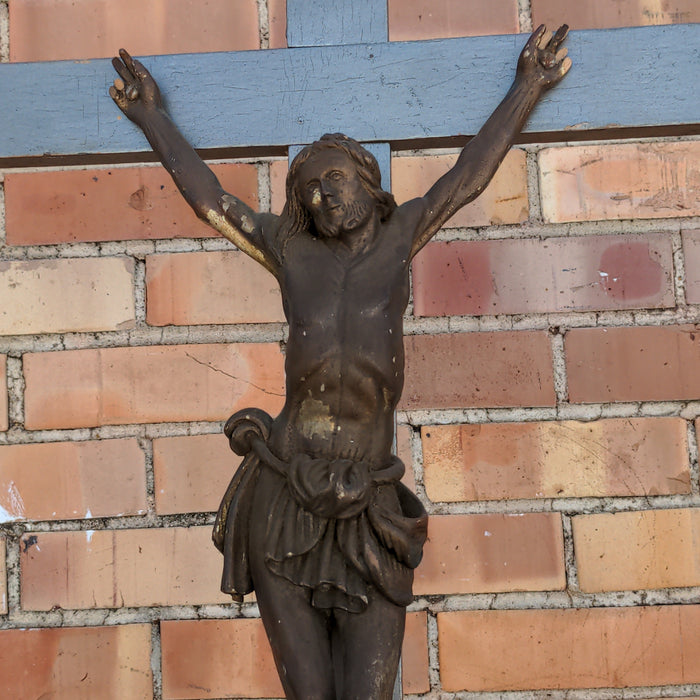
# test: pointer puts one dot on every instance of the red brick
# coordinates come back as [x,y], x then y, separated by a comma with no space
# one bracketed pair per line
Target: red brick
[83,388]
[3,578]
[3,393]
[54,30]
[478,369]
[426,19]
[120,568]
[192,472]
[602,14]
[620,181]
[492,553]
[59,296]
[77,663]
[69,480]
[504,201]
[414,655]
[543,276]
[217,658]
[110,204]
[631,551]
[219,287]
[568,459]
[277,21]
[633,364]
[499,650]
[691,251]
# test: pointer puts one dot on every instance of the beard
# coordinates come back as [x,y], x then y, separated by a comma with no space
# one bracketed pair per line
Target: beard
[346,218]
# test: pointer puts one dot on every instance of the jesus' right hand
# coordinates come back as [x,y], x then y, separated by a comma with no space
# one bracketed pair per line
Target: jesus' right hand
[135,91]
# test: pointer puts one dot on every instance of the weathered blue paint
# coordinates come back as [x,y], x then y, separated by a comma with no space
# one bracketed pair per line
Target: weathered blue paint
[335,22]
[381,151]
[634,77]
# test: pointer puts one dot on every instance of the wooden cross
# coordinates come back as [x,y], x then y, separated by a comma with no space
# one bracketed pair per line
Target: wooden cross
[636,80]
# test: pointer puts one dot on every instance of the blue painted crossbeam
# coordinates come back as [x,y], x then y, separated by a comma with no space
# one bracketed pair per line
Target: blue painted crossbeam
[634,77]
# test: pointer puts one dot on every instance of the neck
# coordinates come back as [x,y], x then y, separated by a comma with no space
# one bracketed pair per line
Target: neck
[358,239]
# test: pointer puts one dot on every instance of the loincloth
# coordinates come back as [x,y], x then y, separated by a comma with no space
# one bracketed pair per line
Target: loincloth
[332,526]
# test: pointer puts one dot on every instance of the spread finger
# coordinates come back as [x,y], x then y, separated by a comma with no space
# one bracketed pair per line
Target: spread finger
[123,71]
[559,37]
[544,39]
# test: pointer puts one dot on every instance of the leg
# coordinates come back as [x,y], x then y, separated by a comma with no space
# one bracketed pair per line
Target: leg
[299,636]
[370,645]
[298,633]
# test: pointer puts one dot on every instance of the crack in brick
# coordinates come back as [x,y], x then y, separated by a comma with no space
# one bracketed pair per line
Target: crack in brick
[232,376]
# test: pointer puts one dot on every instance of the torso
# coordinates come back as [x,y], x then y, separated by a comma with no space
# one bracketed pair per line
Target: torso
[344,358]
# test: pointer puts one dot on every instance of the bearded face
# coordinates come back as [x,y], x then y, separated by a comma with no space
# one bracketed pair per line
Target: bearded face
[343,218]
[333,193]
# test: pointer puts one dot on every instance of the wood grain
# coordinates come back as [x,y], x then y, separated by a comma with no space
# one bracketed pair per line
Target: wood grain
[634,77]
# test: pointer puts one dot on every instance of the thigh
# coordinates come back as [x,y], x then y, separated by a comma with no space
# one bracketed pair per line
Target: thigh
[298,633]
[370,644]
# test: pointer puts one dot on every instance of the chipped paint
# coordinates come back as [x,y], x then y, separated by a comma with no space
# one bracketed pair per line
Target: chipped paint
[316,419]
[13,508]
[228,230]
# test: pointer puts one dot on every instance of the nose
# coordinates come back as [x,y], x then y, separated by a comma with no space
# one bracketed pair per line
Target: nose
[326,188]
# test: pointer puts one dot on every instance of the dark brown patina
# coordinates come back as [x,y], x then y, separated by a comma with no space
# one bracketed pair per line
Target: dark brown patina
[316,520]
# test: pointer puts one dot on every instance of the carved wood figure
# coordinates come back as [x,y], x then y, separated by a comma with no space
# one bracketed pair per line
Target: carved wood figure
[316,520]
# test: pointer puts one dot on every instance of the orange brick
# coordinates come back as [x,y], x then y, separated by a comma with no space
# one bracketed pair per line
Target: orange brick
[78,663]
[492,553]
[120,568]
[645,549]
[568,459]
[478,369]
[278,179]
[58,296]
[3,393]
[404,452]
[54,30]
[499,650]
[620,181]
[3,578]
[504,201]
[68,480]
[621,13]
[110,204]
[423,19]
[691,250]
[633,364]
[414,655]
[218,287]
[192,472]
[232,658]
[535,276]
[83,388]
[217,658]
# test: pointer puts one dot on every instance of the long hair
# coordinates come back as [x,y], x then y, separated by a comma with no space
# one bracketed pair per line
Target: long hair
[295,216]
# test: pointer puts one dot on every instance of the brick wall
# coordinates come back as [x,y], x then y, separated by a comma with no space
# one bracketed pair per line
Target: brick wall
[550,414]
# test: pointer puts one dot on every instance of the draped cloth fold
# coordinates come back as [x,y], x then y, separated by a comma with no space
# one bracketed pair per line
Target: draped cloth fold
[331,525]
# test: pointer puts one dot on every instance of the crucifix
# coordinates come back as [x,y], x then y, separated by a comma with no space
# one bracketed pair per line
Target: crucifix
[316,519]
[415,92]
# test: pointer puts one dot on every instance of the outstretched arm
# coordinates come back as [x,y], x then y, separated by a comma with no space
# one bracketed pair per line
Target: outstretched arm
[541,65]
[137,95]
